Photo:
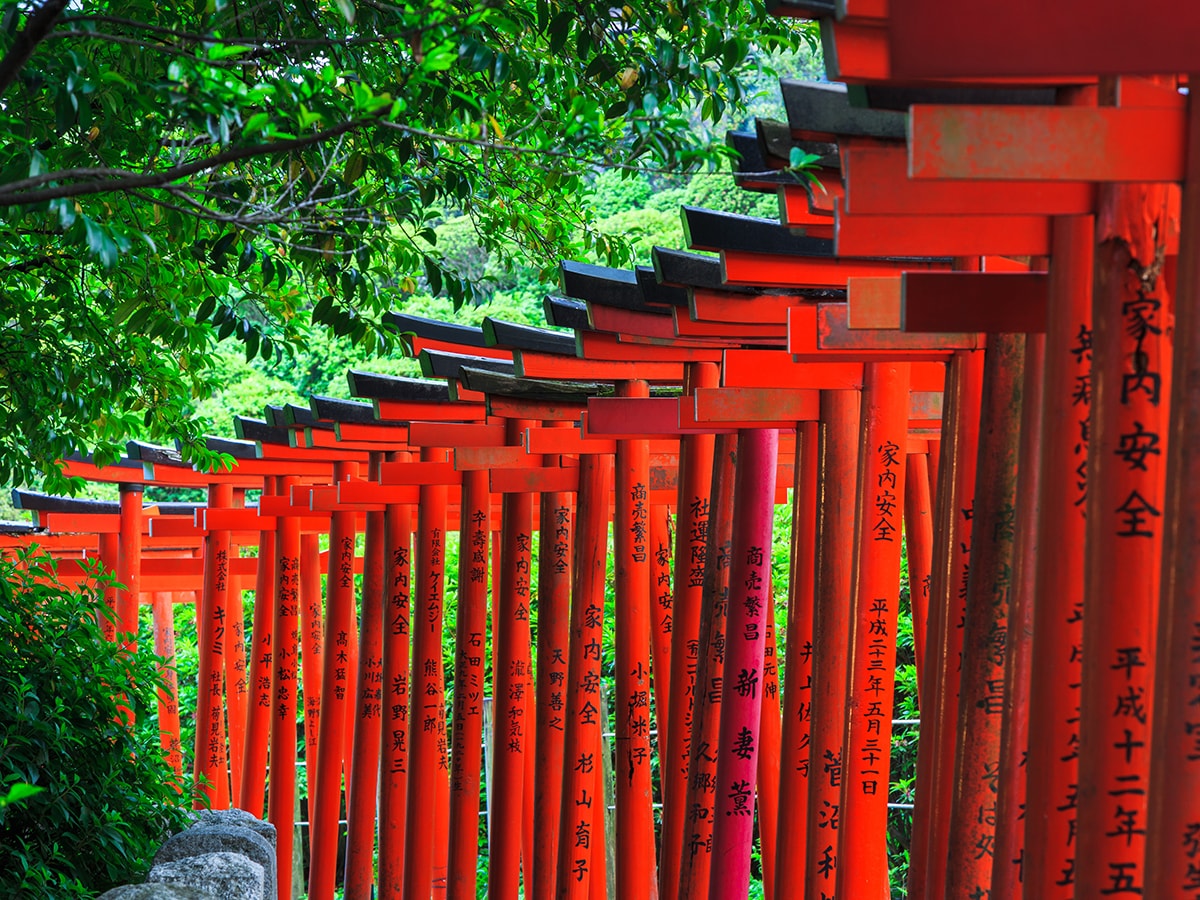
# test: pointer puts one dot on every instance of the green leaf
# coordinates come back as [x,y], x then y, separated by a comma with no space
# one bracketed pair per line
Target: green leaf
[19,792]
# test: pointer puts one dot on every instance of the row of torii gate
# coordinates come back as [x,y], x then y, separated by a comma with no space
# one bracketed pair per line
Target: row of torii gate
[965,339]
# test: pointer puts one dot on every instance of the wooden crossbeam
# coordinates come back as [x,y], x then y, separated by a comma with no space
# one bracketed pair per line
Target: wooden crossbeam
[948,39]
[941,235]
[973,301]
[1050,143]
[877,183]
[767,270]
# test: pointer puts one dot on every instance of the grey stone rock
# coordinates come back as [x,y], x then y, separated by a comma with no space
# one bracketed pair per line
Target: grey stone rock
[155,892]
[202,838]
[225,875]
[238,818]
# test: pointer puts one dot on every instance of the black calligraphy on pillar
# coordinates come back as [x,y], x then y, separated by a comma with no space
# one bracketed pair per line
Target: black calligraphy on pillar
[886,527]
[1081,400]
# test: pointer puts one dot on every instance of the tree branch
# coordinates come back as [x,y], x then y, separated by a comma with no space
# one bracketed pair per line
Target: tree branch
[37,26]
[14,193]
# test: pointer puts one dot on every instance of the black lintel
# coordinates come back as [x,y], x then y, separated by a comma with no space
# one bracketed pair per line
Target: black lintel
[246,448]
[824,108]
[888,96]
[332,409]
[691,270]
[123,463]
[436,364]
[565,313]
[705,229]
[8,527]
[510,335]
[663,294]
[293,414]
[544,389]
[151,453]
[397,388]
[435,329]
[33,500]
[606,286]
[260,432]
[776,141]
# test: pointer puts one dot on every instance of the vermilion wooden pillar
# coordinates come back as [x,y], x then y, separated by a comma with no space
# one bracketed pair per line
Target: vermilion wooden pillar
[236,687]
[741,689]
[1009,854]
[1131,311]
[580,841]
[168,694]
[918,538]
[554,627]
[838,467]
[252,795]
[981,688]
[393,794]
[795,768]
[285,632]
[427,705]
[470,663]
[769,749]
[1173,839]
[312,638]
[129,564]
[510,680]
[212,777]
[109,556]
[944,636]
[632,549]
[691,532]
[866,750]
[660,614]
[1052,765]
[335,691]
[361,805]
[700,799]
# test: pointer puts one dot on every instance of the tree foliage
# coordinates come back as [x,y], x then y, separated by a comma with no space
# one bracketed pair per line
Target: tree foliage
[172,174]
[106,797]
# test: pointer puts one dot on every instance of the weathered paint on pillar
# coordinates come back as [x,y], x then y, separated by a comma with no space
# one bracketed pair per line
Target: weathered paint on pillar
[1173,839]
[661,599]
[795,770]
[1056,667]
[312,640]
[985,630]
[918,540]
[1009,855]
[696,853]
[1131,311]
[741,690]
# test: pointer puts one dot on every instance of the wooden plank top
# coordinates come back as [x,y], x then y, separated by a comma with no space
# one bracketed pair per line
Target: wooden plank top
[823,109]
[396,388]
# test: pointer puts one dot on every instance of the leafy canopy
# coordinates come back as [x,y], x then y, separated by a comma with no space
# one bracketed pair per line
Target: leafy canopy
[173,174]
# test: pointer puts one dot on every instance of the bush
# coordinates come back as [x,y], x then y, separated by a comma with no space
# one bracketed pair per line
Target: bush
[108,797]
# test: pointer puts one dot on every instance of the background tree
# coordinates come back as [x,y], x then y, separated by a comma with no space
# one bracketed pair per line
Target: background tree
[172,174]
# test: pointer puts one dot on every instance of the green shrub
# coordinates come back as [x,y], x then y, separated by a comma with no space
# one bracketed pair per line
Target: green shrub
[108,797]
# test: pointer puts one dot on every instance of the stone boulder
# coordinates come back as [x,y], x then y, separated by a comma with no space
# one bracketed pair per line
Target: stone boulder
[203,838]
[238,818]
[155,892]
[224,875]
